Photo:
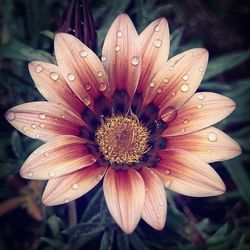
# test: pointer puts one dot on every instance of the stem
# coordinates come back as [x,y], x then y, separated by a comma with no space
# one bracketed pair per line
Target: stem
[72,214]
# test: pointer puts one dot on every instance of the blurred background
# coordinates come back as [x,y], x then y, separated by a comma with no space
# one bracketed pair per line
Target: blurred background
[26,33]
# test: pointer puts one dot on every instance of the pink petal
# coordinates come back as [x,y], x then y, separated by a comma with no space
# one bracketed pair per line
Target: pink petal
[124,192]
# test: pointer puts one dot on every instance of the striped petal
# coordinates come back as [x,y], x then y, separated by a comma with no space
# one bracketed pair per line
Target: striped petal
[154,41]
[121,55]
[52,85]
[70,187]
[124,192]
[186,174]
[59,156]
[209,144]
[178,79]
[155,206]
[201,111]
[81,68]
[44,120]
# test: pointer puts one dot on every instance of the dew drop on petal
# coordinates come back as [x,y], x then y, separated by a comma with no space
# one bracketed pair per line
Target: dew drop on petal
[135,60]
[86,101]
[183,130]
[212,137]
[30,174]
[185,87]
[157,43]
[38,68]
[99,74]
[37,136]
[103,58]
[209,150]
[35,152]
[152,84]
[54,76]
[171,68]
[87,86]
[117,48]
[157,29]
[66,200]
[102,86]
[25,129]
[161,203]
[167,171]
[119,33]
[193,54]
[46,154]
[159,90]
[166,80]
[199,106]
[167,184]
[158,215]
[74,186]
[201,97]
[185,121]
[42,116]
[33,126]
[83,53]
[201,69]
[51,174]
[173,93]
[10,116]
[185,77]
[42,125]
[71,77]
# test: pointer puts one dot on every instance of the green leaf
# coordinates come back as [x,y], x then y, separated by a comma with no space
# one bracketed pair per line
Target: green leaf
[48,34]
[224,63]
[54,223]
[53,243]
[136,242]
[107,240]
[175,42]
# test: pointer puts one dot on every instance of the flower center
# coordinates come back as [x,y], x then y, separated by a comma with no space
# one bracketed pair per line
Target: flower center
[122,139]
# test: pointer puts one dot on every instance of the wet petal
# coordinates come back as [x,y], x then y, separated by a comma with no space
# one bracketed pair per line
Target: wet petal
[209,144]
[81,68]
[52,85]
[70,187]
[59,156]
[121,55]
[154,41]
[186,174]
[155,206]
[178,79]
[201,111]
[124,192]
[44,120]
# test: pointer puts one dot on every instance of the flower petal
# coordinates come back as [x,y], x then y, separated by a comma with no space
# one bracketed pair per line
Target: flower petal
[51,84]
[81,68]
[70,187]
[209,144]
[186,174]
[124,192]
[177,80]
[155,206]
[201,111]
[44,120]
[154,41]
[121,55]
[60,156]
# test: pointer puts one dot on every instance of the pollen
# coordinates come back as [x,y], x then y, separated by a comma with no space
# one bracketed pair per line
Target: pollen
[122,139]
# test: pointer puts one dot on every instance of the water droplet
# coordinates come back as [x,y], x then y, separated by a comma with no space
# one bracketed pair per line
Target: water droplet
[171,68]
[99,74]
[167,171]
[119,33]
[103,58]
[157,43]
[185,87]
[51,174]
[87,86]
[169,115]
[62,116]
[185,77]
[66,200]
[54,76]
[46,154]
[33,126]
[165,80]
[135,60]
[183,130]
[159,90]
[39,68]
[157,28]
[37,136]
[42,116]
[102,86]
[201,69]
[35,152]
[117,48]
[201,97]
[10,116]
[173,93]
[30,174]
[158,216]
[71,77]
[161,203]
[185,121]
[167,184]
[152,84]
[25,129]
[212,137]
[86,101]
[42,125]
[74,186]
[199,106]
[209,150]
[83,53]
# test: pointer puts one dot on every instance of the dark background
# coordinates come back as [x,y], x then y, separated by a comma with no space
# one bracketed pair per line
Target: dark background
[216,223]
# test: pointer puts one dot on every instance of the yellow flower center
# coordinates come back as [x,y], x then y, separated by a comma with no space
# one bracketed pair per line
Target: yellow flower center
[122,139]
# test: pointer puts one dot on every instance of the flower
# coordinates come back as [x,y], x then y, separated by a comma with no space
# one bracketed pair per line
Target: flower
[133,119]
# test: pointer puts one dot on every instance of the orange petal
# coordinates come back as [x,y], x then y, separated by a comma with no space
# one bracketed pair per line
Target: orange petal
[81,68]
[209,144]
[155,206]
[186,174]
[70,187]
[154,41]
[51,84]
[178,79]
[43,120]
[62,155]
[201,111]
[124,192]
[121,55]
